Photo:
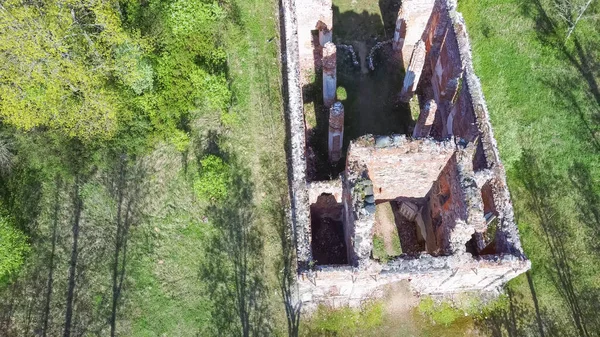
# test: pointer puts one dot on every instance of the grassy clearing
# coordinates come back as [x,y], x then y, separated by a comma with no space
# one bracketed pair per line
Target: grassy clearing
[401,314]
[542,93]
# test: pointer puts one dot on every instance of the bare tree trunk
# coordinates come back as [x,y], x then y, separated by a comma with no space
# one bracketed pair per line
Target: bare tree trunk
[46,313]
[78,205]
[582,10]
[123,221]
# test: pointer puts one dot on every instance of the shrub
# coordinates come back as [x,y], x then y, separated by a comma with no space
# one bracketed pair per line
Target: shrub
[441,313]
[379,251]
[180,139]
[211,183]
[341,94]
[13,248]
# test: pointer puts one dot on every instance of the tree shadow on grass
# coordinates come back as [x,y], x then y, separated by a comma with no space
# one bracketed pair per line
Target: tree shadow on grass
[545,192]
[582,54]
[542,189]
[69,286]
[276,207]
[234,264]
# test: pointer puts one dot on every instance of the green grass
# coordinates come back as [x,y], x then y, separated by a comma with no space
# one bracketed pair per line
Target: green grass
[542,94]
[379,251]
[444,312]
[344,321]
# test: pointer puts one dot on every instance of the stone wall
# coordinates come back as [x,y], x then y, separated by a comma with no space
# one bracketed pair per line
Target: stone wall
[338,286]
[299,206]
[461,110]
[459,173]
[312,16]
[316,188]
[412,20]
[398,165]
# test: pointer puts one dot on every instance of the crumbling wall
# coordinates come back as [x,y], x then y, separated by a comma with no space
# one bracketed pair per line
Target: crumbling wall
[412,20]
[299,206]
[461,109]
[381,169]
[398,165]
[316,188]
[337,286]
[359,214]
[507,237]
[314,29]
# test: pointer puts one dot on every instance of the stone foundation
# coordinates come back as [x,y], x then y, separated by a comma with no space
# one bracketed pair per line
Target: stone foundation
[447,178]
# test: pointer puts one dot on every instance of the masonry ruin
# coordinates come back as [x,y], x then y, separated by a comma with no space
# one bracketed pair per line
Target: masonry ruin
[436,185]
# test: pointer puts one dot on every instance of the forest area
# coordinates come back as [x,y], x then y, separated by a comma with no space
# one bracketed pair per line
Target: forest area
[142,155]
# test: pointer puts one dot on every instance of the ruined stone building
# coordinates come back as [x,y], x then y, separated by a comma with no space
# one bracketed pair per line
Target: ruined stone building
[440,181]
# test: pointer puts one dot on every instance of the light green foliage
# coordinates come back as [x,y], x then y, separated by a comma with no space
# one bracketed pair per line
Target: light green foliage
[341,94]
[415,109]
[441,313]
[190,17]
[55,63]
[344,321]
[181,140]
[13,248]
[60,62]
[133,69]
[211,183]
[396,248]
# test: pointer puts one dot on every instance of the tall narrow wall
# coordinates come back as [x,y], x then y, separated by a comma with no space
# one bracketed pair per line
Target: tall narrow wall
[300,209]
[412,20]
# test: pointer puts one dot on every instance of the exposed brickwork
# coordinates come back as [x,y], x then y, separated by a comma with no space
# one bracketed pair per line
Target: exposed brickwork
[336,132]
[450,170]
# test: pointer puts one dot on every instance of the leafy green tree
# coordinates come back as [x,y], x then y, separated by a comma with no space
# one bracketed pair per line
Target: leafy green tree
[56,60]
[89,69]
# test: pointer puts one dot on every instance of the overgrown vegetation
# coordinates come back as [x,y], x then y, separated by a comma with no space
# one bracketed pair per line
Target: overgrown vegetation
[345,321]
[142,154]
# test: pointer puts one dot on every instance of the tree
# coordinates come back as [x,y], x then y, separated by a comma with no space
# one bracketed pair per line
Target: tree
[56,61]
[571,11]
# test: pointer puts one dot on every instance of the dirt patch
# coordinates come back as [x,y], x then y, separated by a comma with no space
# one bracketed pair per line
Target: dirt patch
[328,242]
[400,299]
[372,104]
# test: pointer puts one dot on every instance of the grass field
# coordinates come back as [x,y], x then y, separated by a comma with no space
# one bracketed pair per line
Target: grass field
[543,98]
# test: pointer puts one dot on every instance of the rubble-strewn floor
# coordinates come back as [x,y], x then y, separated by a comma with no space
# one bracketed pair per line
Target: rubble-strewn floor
[328,244]
[407,230]
[372,104]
